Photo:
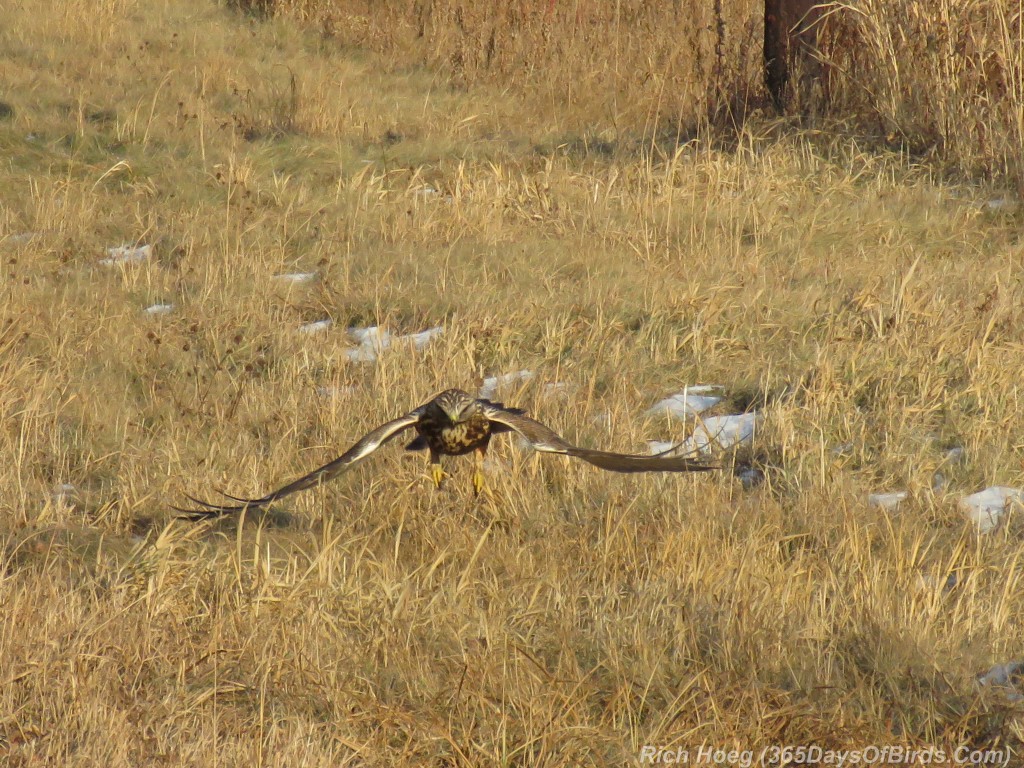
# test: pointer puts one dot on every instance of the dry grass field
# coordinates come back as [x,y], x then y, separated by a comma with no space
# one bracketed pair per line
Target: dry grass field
[866,305]
[938,79]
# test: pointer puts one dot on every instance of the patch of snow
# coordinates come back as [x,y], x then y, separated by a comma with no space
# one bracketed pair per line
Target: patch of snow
[491,385]
[126,254]
[159,309]
[316,327]
[25,237]
[1009,676]
[660,446]
[63,490]
[955,455]
[428,192]
[888,501]
[987,508]
[361,354]
[1000,203]
[373,339]
[373,334]
[421,339]
[296,277]
[722,432]
[691,401]
[713,432]
[935,581]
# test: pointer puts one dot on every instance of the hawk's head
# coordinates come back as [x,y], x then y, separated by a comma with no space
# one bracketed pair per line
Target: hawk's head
[457,405]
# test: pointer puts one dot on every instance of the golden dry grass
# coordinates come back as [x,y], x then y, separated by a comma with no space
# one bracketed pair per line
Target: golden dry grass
[571,617]
[619,69]
[934,79]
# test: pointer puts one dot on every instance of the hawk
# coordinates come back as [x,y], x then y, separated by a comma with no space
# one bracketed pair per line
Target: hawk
[455,423]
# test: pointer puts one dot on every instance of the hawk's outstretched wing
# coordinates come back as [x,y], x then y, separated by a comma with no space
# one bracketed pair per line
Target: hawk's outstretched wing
[367,445]
[547,441]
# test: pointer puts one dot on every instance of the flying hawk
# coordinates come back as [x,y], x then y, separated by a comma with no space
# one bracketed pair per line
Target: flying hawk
[455,423]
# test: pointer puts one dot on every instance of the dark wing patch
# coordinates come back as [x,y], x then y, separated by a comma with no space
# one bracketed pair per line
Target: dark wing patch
[367,445]
[546,440]
[419,443]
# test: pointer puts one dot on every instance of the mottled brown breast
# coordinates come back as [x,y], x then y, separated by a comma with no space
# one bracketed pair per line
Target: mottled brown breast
[461,437]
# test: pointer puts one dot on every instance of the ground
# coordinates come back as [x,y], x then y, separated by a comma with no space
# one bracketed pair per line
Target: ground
[866,305]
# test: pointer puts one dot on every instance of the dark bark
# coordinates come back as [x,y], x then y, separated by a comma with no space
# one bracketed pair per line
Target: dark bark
[790,36]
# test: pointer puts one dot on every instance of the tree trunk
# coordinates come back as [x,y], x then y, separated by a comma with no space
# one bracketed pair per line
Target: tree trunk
[790,37]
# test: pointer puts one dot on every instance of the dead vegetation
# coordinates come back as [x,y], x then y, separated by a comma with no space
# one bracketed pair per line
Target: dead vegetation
[937,80]
[865,304]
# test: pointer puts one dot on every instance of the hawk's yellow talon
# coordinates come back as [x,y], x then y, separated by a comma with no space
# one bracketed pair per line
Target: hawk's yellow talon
[478,481]
[436,474]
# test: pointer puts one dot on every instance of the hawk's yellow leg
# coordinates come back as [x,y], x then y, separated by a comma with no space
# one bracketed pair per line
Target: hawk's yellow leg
[436,470]
[478,471]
